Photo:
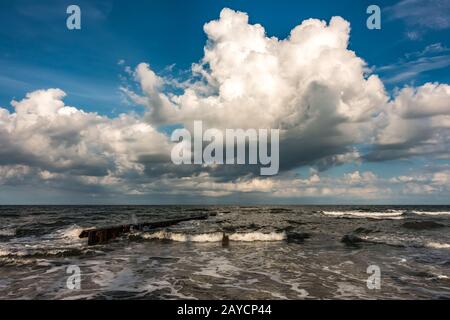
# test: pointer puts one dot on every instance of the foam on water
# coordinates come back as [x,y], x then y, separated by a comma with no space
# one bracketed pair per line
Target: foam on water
[184,237]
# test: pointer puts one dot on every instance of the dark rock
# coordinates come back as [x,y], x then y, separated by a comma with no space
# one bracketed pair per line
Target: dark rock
[422,225]
[254,227]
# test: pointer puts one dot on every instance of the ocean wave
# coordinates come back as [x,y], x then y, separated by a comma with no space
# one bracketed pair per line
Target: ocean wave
[216,236]
[60,243]
[184,237]
[392,214]
[395,241]
[422,225]
[43,253]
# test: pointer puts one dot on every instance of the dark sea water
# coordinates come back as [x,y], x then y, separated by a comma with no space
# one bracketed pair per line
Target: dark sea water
[282,252]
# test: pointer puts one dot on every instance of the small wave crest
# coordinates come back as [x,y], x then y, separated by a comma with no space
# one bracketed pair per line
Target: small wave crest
[437,245]
[42,253]
[392,214]
[432,213]
[9,232]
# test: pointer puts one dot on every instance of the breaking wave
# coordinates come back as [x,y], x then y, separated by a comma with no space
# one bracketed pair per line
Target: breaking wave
[70,233]
[215,236]
[184,237]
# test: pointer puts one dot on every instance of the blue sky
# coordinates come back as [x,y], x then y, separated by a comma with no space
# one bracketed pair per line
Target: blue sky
[37,51]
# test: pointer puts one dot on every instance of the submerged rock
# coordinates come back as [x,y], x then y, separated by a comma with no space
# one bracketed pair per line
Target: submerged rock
[297,237]
[351,239]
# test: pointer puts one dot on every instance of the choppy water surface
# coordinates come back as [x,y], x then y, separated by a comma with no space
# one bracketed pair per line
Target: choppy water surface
[287,252]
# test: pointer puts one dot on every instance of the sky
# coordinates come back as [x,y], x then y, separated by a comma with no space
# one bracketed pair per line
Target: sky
[86,115]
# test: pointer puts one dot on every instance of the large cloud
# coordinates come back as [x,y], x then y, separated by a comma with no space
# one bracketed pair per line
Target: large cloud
[310,85]
[56,139]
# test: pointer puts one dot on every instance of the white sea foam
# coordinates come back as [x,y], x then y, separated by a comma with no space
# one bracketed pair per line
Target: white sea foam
[216,236]
[392,214]
[72,232]
[437,245]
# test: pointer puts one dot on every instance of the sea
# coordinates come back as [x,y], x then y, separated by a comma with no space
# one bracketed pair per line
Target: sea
[273,252]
